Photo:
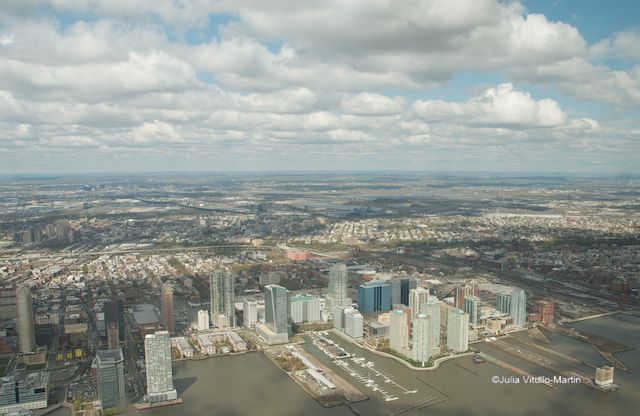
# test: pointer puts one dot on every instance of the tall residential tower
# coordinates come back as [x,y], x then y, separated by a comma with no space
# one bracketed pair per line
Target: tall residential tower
[222,299]
[157,357]
[167,307]
[25,322]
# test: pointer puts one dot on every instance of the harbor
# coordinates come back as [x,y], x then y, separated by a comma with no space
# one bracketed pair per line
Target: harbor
[264,385]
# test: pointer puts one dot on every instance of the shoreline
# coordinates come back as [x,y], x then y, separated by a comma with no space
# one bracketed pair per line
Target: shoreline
[434,366]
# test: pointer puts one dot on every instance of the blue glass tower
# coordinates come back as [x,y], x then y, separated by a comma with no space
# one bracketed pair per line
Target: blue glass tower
[374,297]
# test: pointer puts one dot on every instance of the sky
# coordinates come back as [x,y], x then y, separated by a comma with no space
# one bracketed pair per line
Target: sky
[253,85]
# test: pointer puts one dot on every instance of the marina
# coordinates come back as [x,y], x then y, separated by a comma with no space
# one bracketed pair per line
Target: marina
[362,370]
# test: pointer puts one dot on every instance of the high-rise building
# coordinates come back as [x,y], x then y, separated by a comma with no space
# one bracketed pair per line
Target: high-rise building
[503,302]
[337,294]
[433,312]
[462,292]
[353,323]
[25,322]
[400,287]
[203,320]
[22,392]
[544,310]
[421,338]
[167,307]
[111,391]
[472,307]
[276,313]
[114,312]
[157,358]
[113,337]
[222,299]
[418,298]
[457,330]
[338,317]
[399,330]
[374,297]
[305,308]
[249,313]
[519,307]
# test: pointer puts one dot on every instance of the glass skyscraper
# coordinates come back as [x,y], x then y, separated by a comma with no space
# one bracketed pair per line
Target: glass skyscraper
[519,307]
[276,308]
[110,378]
[400,288]
[222,299]
[374,297]
[503,302]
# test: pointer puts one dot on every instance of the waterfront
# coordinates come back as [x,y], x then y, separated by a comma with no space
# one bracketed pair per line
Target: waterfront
[253,385]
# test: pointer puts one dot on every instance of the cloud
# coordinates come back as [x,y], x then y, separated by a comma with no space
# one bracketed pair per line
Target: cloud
[587,81]
[623,45]
[500,107]
[139,73]
[372,104]
[292,85]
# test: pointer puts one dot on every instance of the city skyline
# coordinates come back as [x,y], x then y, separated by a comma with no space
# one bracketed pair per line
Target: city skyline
[483,86]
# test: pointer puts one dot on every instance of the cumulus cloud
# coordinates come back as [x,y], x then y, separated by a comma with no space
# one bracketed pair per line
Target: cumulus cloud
[305,85]
[372,104]
[501,107]
[623,45]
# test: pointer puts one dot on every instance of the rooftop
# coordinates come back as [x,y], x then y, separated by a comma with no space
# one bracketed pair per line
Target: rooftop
[109,356]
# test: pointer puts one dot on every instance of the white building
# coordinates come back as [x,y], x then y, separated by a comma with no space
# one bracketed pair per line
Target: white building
[337,294]
[399,330]
[421,347]
[604,376]
[457,330]
[305,308]
[433,312]
[183,346]
[353,323]
[249,313]
[157,352]
[418,299]
[338,317]
[203,320]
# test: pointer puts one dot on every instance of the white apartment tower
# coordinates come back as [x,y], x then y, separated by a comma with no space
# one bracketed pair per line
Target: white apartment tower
[203,320]
[249,313]
[157,357]
[421,333]
[338,282]
[433,312]
[457,330]
[353,323]
[399,330]
[418,299]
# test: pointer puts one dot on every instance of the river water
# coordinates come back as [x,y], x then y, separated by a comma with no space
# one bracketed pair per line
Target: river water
[250,384]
